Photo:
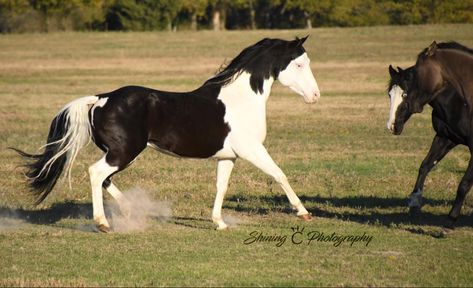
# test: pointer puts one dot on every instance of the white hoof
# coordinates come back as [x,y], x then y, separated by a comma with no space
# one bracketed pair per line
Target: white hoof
[220,224]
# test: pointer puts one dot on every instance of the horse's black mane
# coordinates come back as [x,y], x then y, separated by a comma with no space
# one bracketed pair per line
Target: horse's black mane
[449,45]
[262,60]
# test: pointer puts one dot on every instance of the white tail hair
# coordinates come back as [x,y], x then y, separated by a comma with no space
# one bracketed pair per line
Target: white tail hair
[77,136]
[70,131]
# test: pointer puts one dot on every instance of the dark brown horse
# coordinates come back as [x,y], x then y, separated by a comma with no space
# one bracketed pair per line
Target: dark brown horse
[434,80]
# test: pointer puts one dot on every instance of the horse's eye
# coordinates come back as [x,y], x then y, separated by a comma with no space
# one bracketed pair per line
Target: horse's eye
[298,65]
[404,95]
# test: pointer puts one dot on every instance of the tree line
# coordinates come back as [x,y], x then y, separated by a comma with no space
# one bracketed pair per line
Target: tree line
[19,16]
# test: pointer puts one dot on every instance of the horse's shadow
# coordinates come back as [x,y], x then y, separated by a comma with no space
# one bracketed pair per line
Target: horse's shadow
[51,215]
[73,210]
[361,209]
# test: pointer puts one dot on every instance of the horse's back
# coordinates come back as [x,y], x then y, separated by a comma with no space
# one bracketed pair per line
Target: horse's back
[187,124]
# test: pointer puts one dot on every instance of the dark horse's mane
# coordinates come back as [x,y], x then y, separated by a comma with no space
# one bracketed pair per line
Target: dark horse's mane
[449,45]
[262,60]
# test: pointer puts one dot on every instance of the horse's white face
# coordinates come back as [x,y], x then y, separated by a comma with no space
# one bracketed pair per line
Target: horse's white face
[396,95]
[300,79]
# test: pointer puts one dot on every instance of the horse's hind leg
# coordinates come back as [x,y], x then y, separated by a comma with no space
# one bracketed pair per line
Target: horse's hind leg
[115,160]
[122,201]
[463,189]
[98,172]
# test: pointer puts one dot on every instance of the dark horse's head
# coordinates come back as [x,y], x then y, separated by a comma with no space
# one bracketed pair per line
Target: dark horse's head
[410,89]
[402,106]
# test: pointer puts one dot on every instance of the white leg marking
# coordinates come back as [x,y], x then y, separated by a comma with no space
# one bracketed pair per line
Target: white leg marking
[98,172]
[224,169]
[122,201]
[259,157]
[100,103]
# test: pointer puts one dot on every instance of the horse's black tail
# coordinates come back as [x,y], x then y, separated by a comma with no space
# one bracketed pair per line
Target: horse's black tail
[70,131]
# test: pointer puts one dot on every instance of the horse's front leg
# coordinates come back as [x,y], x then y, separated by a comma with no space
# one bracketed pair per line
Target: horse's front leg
[439,148]
[462,191]
[258,156]
[224,169]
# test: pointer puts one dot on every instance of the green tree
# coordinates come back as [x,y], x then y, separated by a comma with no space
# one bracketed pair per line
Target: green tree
[311,9]
[196,8]
[358,13]
[16,16]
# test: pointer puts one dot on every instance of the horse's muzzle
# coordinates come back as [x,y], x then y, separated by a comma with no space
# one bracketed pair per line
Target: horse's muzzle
[313,98]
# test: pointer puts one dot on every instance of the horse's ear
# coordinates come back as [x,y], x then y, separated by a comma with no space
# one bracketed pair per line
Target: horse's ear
[432,49]
[399,69]
[299,41]
[392,71]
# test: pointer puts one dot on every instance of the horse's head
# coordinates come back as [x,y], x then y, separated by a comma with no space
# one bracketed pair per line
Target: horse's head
[410,89]
[403,104]
[297,74]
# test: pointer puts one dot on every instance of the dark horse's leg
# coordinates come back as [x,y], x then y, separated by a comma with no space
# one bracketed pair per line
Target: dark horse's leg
[440,147]
[463,189]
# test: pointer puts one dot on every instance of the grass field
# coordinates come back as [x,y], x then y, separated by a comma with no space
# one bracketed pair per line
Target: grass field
[349,171]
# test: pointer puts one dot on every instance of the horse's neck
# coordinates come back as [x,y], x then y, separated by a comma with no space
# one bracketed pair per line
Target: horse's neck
[458,71]
[245,108]
[241,86]
[240,93]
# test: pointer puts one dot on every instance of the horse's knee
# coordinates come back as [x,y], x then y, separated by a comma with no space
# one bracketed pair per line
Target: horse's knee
[279,177]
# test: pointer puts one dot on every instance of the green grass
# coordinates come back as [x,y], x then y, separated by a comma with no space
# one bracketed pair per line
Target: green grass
[348,170]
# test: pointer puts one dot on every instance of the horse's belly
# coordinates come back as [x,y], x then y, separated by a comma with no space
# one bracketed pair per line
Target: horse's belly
[189,144]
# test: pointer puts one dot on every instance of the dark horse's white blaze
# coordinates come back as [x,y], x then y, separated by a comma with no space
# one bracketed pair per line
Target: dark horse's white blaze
[225,119]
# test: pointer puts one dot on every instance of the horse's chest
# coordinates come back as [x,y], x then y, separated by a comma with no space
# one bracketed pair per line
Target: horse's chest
[454,127]
[248,122]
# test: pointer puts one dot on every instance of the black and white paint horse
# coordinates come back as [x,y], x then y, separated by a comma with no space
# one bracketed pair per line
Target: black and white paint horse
[451,117]
[225,119]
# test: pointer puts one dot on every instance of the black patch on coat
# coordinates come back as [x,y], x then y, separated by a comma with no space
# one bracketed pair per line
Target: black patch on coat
[184,124]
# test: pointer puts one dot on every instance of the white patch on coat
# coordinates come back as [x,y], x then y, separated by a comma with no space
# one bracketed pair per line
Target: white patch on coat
[100,103]
[396,96]
[245,113]
[77,136]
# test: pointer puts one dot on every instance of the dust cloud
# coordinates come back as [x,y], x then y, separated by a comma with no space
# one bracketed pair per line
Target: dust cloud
[142,211]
